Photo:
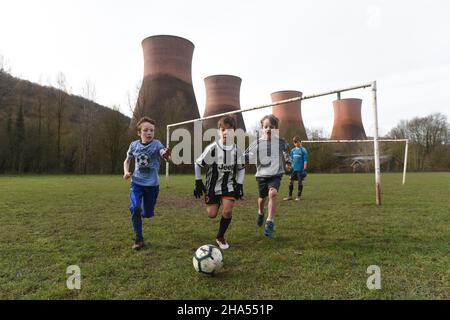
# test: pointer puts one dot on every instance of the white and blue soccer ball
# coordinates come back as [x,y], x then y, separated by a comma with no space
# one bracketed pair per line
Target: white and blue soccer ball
[208,259]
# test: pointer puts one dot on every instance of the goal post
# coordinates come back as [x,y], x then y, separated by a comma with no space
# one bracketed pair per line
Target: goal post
[372,85]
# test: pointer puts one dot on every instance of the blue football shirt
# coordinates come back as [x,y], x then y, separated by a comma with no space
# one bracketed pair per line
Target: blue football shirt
[299,156]
[147,162]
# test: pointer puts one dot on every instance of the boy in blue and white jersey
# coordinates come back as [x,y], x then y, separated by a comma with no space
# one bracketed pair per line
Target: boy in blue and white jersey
[144,188]
[299,156]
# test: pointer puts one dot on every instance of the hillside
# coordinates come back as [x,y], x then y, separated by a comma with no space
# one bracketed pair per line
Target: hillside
[44,129]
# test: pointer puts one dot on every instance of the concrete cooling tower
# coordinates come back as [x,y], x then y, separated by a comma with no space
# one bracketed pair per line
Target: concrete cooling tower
[222,95]
[289,114]
[347,120]
[166,94]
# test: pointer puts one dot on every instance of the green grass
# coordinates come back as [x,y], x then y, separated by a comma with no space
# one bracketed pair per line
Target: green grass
[320,250]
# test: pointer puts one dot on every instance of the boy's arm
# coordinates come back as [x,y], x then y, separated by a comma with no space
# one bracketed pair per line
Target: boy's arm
[126,163]
[198,172]
[305,157]
[199,187]
[126,168]
[240,176]
[164,152]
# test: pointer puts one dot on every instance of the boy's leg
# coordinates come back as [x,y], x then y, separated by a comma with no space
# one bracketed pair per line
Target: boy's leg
[291,185]
[225,221]
[150,195]
[272,203]
[300,186]
[212,210]
[263,193]
[212,205]
[261,205]
[274,185]
[135,210]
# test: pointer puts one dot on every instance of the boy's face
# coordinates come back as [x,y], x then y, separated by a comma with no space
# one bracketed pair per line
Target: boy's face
[298,144]
[226,134]
[267,128]
[147,132]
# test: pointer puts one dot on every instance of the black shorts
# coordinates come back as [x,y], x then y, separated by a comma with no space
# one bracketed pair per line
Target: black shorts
[298,176]
[265,183]
[217,198]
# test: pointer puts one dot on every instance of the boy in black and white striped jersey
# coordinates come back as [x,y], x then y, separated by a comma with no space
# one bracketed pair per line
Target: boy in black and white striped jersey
[224,176]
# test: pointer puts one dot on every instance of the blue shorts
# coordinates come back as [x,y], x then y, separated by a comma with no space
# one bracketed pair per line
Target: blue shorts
[143,198]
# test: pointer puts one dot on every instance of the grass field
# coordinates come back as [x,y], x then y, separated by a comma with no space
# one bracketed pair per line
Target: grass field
[320,250]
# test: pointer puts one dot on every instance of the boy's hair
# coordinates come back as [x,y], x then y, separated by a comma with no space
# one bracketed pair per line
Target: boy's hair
[297,139]
[227,120]
[273,120]
[142,120]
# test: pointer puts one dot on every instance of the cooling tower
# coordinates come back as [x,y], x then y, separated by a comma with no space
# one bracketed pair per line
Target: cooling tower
[347,120]
[167,94]
[222,95]
[289,114]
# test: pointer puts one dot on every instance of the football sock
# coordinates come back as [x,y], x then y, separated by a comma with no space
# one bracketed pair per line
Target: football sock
[224,223]
[291,188]
[260,213]
[300,189]
[269,219]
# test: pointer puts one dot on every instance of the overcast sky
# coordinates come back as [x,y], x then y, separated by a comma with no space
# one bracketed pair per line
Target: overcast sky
[310,46]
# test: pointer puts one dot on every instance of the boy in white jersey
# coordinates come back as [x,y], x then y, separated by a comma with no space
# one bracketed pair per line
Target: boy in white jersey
[224,176]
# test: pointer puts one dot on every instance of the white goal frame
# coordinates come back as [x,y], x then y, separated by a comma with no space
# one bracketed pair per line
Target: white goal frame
[373,87]
[405,161]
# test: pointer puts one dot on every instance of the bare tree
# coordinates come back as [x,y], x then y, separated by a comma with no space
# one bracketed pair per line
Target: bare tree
[87,123]
[137,101]
[61,93]
[425,134]
[114,132]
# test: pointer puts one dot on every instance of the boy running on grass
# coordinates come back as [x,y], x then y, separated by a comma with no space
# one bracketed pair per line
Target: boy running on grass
[144,180]
[271,153]
[224,176]
[299,156]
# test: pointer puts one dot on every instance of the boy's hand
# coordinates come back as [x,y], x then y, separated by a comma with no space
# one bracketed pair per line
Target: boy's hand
[166,154]
[288,168]
[126,175]
[239,191]
[304,174]
[199,188]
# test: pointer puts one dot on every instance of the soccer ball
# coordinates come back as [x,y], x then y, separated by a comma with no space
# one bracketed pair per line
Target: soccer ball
[142,160]
[207,259]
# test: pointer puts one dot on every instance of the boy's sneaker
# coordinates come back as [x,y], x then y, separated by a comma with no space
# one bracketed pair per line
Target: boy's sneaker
[269,229]
[223,244]
[259,219]
[287,198]
[138,245]
[297,199]
[138,242]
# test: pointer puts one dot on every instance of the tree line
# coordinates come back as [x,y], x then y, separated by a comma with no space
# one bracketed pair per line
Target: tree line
[45,129]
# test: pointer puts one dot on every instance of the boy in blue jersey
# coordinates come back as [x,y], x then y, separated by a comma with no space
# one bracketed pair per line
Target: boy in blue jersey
[299,156]
[145,179]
